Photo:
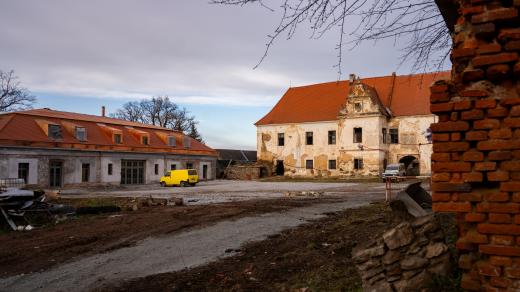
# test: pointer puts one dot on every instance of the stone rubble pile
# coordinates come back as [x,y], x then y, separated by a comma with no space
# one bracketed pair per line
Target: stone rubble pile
[405,258]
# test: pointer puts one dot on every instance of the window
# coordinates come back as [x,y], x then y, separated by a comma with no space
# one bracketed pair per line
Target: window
[281,139]
[81,133]
[23,171]
[308,138]
[187,142]
[173,167]
[332,164]
[145,140]
[189,165]
[55,131]
[358,135]
[384,136]
[156,169]
[110,169]
[309,164]
[332,137]
[85,172]
[118,139]
[171,141]
[394,136]
[358,107]
[358,163]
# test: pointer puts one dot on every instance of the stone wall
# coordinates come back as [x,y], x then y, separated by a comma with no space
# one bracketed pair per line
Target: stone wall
[405,258]
[243,172]
[476,143]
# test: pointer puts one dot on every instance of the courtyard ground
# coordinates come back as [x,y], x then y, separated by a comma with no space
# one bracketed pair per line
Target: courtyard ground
[93,251]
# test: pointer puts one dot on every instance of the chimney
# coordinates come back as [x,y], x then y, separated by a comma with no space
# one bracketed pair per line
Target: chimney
[102,110]
[352,78]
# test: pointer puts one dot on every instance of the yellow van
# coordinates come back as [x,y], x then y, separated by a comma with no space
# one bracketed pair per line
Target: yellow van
[181,177]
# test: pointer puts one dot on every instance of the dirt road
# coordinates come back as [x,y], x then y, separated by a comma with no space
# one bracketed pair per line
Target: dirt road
[173,252]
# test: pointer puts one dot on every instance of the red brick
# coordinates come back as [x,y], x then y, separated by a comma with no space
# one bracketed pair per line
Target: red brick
[443,176]
[500,282]
[473,156]
[510,187]
[462,52]
[515,111]
[503,133]
[469,197]
[472,177]
[451,187]
[510,165]
[470,284]
[498,112]
[451,167]
[498,71]
[494,59]
[514,175]
[500,261]
[475,237]
[496,196]
[499,218]
[472,75]
[439,88]
[485,103]
[484,30]
[494,15]
[440,137]
[494,144]
[512,272]
[512,122]
[441,197]
[499,208]
[473,93]
[515,197]
[489,48]
[516,153]
[452,207]
[476,136]
[462,105]
[475,217]
[456,137]
[498,176]
[450,127]
[510,101]
[485,166]
[512,46]
[472,10]
[486,269]
[509,34]
[454,116]
[506,229]
[441,107]
[466,261]
[461,244]
[486,124]
[472,115]
[502,239]
[441,157]
[450,146]
[439,97]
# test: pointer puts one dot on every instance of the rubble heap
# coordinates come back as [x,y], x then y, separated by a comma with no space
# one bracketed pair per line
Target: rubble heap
[405,257]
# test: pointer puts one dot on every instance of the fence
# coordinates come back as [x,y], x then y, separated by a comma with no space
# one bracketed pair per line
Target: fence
[398,183]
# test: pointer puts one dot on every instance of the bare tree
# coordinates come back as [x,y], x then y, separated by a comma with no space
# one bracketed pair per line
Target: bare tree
[13,96]
[160,111]
[417,25]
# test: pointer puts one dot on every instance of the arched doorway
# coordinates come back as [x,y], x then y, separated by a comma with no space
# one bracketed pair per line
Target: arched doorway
[411,164]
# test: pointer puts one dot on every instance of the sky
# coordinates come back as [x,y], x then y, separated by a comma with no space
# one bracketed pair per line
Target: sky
[77,55]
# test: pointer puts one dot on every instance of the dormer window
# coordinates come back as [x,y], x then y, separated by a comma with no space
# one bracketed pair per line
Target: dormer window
[171,141]
[54,131]
[81,134]
[358,107]
[145,140]
[118,139]
[187,142]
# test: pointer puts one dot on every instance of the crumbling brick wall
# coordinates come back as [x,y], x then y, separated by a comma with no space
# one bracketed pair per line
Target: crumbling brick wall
[476,143]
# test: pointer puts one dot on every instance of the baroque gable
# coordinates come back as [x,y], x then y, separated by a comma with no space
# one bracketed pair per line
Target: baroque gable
[362,100]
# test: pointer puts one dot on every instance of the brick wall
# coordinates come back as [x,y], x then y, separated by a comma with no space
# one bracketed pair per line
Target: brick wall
[476,143]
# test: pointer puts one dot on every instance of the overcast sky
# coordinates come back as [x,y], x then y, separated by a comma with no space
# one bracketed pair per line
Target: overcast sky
[77,55]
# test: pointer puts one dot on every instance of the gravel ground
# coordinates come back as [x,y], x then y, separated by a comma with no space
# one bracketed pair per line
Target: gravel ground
[219,191]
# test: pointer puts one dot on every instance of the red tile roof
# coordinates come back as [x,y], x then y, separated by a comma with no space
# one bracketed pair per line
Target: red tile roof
[24,128]
[405,95]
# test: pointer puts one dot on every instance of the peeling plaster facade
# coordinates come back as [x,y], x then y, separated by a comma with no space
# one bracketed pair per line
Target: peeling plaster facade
[362,109]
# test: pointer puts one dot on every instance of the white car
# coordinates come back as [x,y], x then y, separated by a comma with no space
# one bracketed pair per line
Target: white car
[394,171]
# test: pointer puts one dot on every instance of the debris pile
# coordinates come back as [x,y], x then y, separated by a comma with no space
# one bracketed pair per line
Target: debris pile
[303,194]
[405,258]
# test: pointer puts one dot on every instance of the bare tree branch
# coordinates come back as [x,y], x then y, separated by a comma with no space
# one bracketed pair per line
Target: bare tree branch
[417,24]
[13,96]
